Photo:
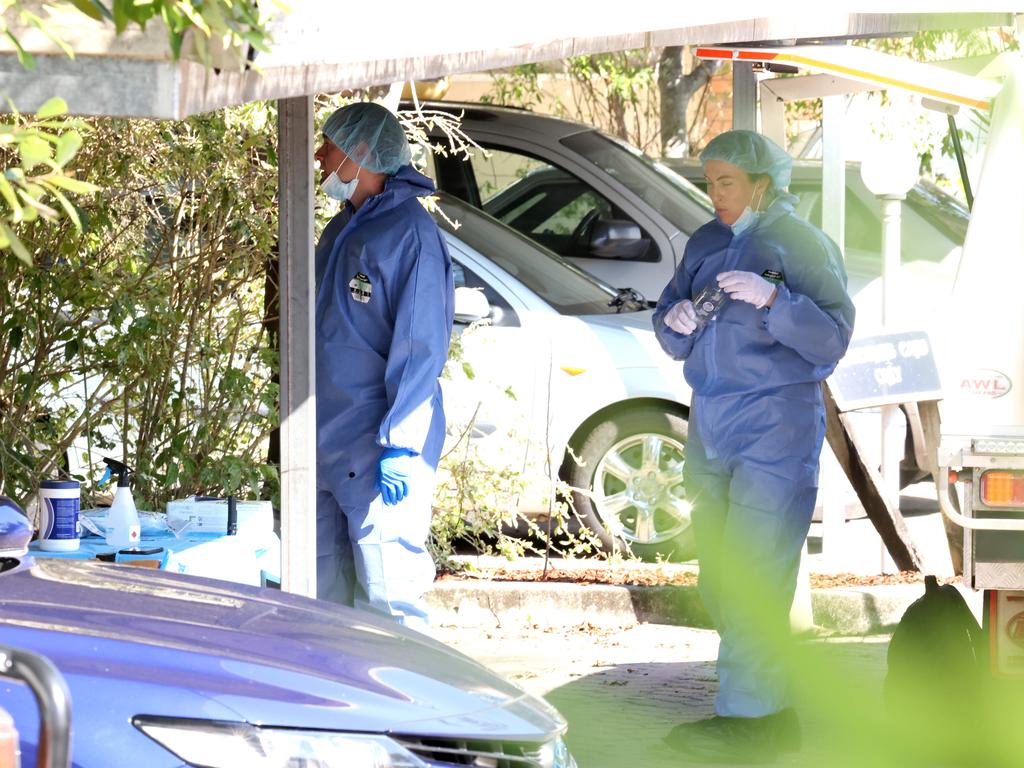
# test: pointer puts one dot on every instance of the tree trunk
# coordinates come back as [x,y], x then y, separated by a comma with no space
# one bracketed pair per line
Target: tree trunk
[676,89]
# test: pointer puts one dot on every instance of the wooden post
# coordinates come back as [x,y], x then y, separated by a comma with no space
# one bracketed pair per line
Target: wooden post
[868,484]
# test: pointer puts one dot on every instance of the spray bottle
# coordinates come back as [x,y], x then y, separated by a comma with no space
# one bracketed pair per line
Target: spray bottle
[123,529]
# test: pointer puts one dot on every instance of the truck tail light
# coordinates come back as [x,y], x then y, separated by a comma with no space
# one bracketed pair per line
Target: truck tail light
[1002,488]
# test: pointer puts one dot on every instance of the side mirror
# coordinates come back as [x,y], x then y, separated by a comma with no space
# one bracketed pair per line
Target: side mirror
[616,239]
[471,305]
[15,529]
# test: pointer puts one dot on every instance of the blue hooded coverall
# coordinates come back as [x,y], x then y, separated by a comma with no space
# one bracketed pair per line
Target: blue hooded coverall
[756,430]
[384,312]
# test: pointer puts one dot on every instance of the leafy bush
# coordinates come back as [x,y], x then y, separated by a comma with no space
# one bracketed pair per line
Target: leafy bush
[146,329]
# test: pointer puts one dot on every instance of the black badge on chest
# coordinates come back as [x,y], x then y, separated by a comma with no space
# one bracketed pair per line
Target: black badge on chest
[772,276]
[360,288]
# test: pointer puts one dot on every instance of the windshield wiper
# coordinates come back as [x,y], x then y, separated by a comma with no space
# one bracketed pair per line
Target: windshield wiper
[624,296]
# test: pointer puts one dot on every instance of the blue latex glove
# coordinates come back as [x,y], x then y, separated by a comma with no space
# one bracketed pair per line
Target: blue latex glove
[393,472]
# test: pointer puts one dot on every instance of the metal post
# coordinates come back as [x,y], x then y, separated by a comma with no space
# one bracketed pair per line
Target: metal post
[958,150]
[773,113]
[891,209]
[892,424]
[833,223]
[298,353]
[833,170]
[744,96]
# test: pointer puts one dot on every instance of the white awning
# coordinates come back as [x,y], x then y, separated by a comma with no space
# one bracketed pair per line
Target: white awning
[880,70]
[326,46]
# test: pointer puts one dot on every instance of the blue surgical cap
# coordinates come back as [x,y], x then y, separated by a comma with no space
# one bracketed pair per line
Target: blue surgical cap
[753,153]
[371,135]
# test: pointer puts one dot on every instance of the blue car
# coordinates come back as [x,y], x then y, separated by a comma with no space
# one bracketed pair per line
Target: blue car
[167,671]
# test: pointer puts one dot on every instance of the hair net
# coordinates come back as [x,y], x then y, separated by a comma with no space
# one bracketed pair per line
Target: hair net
[753,153]
[371,135]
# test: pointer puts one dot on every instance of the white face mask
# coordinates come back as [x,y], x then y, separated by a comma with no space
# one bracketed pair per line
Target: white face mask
[747,219]
[339,190]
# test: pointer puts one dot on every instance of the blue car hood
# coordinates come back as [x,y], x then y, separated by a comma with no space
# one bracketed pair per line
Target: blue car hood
[133,641]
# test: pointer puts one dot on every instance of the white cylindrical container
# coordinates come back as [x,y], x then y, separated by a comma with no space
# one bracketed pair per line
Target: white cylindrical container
[58,515]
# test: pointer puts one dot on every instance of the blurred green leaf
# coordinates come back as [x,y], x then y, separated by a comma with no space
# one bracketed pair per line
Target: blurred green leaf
[25,58]
[16,245]
[92,9]
[67,145]
[69,209]
[72,185]
[34,151]
[52,108]
[122,8]
[7,191]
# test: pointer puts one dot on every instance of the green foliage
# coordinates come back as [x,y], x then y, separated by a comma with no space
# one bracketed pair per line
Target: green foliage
[616,92]
[216,25]
[35,151]
[480,489]
[519,86]
[28,19]
[145,332]
[943,45]
[34,183]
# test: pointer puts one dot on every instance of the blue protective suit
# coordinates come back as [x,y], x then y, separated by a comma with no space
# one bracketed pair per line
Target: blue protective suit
[383,323]
[756,430]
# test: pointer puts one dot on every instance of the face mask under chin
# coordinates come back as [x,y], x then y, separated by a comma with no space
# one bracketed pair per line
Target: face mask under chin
[748,218]
[339,190]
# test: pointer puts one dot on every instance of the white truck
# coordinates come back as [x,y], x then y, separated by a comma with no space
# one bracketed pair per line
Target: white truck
[982,449]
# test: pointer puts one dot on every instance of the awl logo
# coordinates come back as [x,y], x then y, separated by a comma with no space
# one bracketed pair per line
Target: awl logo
[986,383]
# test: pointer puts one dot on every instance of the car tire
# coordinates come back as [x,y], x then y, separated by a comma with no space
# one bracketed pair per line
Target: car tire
[630,467]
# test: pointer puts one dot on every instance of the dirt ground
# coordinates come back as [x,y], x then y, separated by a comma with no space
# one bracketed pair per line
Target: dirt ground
[648,574]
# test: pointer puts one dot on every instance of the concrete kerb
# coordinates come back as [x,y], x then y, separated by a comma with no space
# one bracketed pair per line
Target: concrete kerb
[484,604]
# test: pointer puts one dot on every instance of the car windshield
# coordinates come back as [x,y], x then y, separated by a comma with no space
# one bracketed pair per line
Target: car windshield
[565,287]
[659,186]
[940,209]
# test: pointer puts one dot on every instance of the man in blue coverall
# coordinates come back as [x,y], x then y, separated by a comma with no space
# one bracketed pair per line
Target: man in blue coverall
[756,428]
[383,323]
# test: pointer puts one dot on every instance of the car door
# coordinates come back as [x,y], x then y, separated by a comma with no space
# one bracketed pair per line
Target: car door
[557,203]
[494,398]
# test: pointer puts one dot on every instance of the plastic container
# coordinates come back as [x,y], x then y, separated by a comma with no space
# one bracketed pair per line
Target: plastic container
[123,528]
[708,303]
[59,502]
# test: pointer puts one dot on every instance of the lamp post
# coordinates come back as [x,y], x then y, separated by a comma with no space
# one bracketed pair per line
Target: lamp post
[889,172]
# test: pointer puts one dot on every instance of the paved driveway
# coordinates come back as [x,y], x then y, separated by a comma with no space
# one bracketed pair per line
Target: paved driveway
[622,690]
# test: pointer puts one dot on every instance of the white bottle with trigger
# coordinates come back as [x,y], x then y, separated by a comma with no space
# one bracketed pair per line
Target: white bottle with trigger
[123,529]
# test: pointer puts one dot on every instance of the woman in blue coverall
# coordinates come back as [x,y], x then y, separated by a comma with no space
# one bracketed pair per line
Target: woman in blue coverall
[383,323]
[756,427]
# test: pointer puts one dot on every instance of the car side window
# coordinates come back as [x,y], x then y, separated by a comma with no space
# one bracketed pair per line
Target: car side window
[502,314]
[547,204]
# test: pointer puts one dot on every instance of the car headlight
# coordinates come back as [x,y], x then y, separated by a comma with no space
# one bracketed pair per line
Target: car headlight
[214,744]
[556,755]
